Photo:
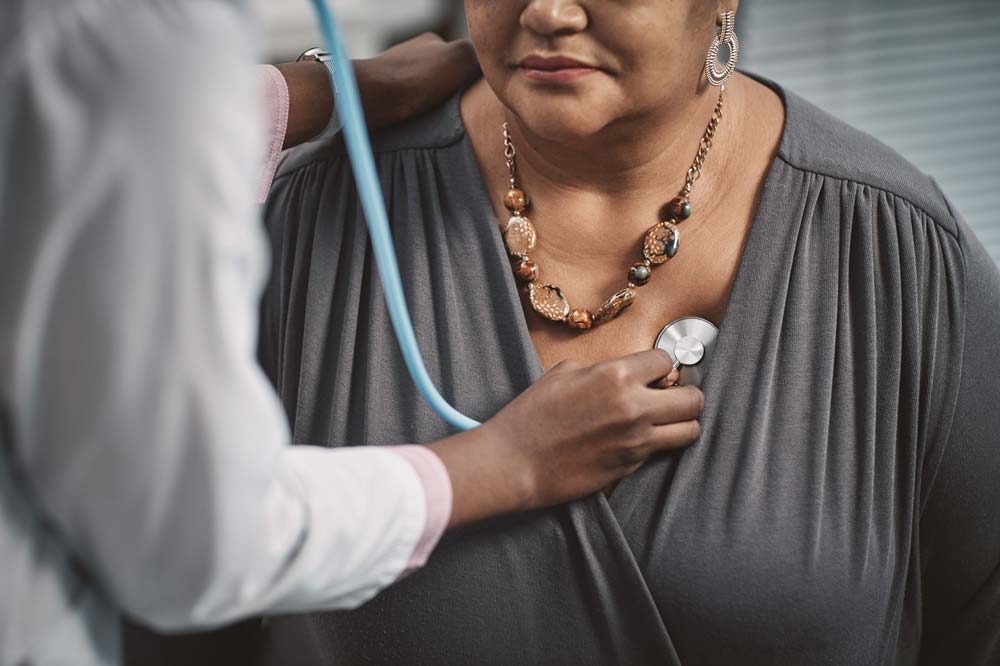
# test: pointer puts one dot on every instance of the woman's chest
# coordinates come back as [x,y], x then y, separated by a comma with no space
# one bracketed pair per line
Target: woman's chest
[788,528]
[696,282]
[794,513]
[784,530]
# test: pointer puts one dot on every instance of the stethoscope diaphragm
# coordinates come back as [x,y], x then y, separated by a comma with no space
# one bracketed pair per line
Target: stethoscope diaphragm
[690,341]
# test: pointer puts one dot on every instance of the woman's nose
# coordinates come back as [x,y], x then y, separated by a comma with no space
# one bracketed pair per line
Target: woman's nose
[554,17]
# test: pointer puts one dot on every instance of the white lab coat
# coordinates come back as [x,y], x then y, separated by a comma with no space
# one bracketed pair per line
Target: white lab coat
[144,464]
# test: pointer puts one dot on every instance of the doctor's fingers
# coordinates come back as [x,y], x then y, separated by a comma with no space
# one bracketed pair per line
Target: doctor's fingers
[643,367]
[414,76]
[671,436]
[672,405]
[668,381]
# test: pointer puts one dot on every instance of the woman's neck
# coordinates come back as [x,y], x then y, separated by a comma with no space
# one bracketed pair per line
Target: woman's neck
[618,180]
[642,154]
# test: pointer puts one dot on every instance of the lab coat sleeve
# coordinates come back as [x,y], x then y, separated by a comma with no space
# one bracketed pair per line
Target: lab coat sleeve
[276,108]
[149,434]
[960,524]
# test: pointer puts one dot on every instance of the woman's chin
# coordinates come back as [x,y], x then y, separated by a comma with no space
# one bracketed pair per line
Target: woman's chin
[561,122]
[562,114]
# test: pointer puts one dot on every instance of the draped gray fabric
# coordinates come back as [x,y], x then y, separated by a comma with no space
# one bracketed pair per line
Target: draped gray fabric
[841,505]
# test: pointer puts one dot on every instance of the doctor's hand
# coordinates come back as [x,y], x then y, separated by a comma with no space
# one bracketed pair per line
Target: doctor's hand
[413,77]
[573,432]
[404,81]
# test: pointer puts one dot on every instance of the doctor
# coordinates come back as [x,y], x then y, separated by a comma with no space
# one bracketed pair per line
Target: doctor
[144,458]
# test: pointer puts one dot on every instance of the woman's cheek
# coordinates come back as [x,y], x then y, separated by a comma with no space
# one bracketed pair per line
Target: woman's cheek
[491,48]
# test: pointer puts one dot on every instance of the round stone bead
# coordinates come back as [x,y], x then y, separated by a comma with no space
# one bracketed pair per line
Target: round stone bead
[515,200]
[526,270]
[580,319]
[680,208]
[639,273]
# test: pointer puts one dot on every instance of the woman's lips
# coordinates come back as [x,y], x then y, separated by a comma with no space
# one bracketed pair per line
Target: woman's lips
[559,69]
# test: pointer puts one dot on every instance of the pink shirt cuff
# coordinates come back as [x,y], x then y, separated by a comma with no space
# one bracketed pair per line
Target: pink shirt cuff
[276,117]
[437,492]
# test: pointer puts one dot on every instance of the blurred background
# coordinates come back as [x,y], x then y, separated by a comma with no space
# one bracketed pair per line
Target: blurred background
[921,75]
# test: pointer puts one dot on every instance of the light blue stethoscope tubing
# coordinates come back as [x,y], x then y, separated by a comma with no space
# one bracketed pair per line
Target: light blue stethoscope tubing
[359,149]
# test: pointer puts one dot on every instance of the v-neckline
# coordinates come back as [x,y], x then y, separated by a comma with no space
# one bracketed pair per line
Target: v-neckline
[755,251]
[758,251]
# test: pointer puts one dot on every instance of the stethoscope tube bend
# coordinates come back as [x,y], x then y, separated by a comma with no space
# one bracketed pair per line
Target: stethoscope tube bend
[348,102]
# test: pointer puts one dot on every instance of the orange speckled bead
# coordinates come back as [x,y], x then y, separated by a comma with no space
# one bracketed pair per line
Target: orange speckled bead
[515,200]
[581,319]
[526,270]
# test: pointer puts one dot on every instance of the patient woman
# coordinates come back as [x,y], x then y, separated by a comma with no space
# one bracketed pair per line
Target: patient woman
[842,503]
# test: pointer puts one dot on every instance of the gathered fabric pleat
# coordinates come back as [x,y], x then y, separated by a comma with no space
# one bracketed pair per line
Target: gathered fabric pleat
[787,532]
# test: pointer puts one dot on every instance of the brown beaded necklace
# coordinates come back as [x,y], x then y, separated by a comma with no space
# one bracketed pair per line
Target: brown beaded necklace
[659,244]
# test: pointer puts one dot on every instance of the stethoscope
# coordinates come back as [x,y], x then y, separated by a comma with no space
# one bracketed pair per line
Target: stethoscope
[690,341]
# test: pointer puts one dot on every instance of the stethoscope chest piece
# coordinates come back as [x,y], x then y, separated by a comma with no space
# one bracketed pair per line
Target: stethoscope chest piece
[690,341]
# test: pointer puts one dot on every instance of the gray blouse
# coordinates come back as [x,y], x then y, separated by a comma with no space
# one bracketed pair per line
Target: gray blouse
[842,505]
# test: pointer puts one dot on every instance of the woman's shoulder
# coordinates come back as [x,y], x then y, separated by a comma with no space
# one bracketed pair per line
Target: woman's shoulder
[816,141]
[438,128]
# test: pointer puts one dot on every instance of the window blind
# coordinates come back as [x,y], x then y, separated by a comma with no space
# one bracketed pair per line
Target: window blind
[922,76]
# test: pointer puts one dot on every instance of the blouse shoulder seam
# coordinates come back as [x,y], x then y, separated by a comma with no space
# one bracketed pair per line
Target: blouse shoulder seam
[951,230]
[339,153]
[442,142]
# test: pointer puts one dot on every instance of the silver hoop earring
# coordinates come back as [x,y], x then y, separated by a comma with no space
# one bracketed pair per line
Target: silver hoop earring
[727,36]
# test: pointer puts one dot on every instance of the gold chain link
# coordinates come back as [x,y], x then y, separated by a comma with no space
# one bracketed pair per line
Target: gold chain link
[694,172]
[510,153]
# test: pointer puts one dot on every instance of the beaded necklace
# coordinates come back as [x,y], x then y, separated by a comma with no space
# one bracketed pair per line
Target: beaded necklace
[660,243]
